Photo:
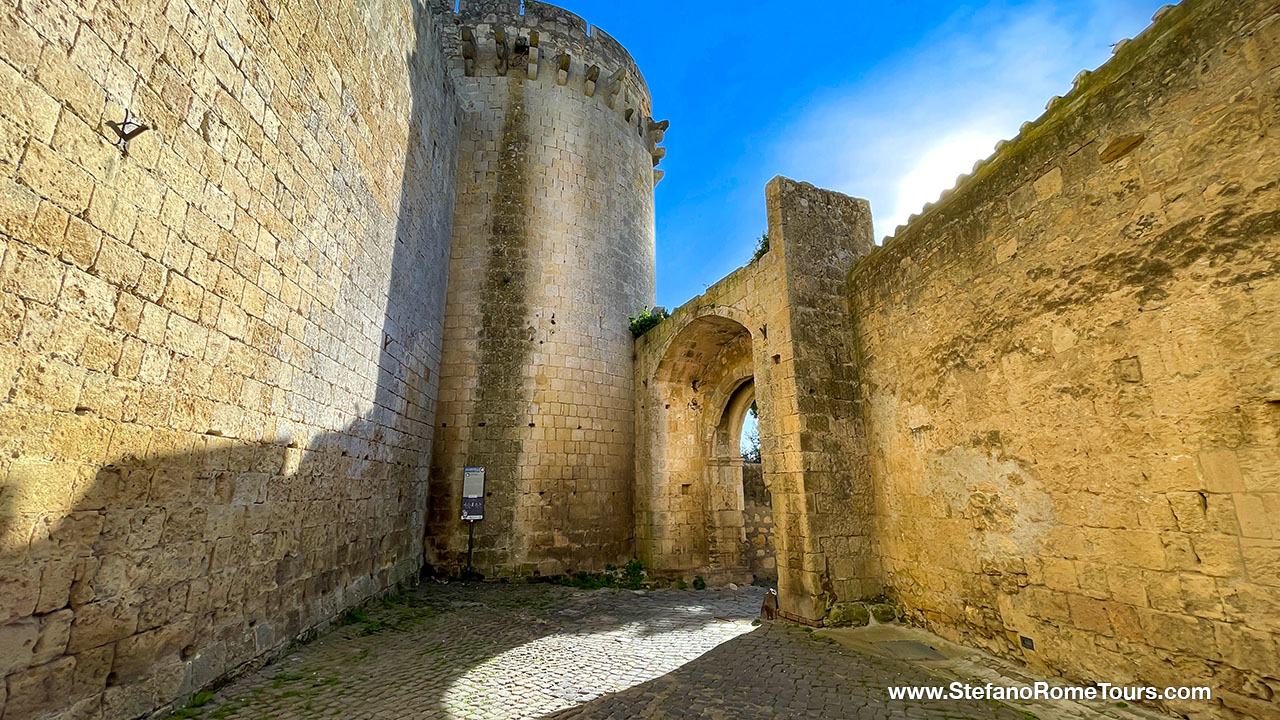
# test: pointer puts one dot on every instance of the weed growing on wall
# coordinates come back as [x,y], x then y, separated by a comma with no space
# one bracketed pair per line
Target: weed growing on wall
[646,321]
[762,246]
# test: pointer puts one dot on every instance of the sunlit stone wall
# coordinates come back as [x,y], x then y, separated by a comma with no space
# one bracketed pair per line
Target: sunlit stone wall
[1071,379]
[219,350]
[553,250]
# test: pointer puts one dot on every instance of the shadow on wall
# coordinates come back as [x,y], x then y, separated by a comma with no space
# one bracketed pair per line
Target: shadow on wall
[163,534]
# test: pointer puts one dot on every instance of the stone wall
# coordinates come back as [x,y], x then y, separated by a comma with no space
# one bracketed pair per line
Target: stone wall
[1070,378]
[219,350]
[778,329]
[553,250]
[757,521]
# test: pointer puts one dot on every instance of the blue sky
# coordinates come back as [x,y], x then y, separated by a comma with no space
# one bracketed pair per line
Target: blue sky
[882,100]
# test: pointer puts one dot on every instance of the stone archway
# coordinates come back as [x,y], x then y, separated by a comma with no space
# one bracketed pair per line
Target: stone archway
[695,500]
[752,501]
[778,323]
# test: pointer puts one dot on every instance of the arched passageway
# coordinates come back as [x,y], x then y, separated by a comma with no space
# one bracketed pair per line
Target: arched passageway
[775,332]
[745,516]
[738,445]
[698,399]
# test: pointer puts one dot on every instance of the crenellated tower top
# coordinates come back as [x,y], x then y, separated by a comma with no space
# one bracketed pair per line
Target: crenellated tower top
[537,42]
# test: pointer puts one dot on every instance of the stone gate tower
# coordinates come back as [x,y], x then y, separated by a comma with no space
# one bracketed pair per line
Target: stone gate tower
[553,248]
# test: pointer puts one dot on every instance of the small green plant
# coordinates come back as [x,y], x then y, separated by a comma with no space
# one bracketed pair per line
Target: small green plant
[360,616]
[227,710]
[192,708]
[397,598]
[699,583]
[762,246]
[633,575]
[629,577]
[681,584]
[647,320]
[282,678]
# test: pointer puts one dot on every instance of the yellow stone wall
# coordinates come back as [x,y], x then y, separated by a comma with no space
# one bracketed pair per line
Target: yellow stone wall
[1070,374]
[219,352]
[1047,409]
[553,250]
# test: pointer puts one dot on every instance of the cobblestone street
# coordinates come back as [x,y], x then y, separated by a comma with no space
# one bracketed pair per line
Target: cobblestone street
[527,651]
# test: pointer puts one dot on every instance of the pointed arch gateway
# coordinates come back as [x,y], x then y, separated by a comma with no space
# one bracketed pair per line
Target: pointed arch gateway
[699,397]
[775,332]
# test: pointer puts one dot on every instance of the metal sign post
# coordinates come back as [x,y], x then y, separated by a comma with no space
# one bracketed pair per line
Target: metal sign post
[472,504]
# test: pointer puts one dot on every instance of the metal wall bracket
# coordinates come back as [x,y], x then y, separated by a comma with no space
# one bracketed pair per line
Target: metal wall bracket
[127,130]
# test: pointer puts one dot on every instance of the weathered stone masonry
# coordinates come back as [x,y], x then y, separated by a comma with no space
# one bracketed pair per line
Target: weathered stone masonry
[777,329]
[219,352]
[1071,376]
[362,246]
[1047,409]
[553,249]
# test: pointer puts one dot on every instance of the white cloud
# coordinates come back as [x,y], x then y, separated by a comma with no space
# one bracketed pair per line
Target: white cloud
[902,133]
[936,171]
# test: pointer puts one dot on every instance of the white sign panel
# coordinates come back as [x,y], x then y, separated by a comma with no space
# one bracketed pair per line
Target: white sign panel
[473,493]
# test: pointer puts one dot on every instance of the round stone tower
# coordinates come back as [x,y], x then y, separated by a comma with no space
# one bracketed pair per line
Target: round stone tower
[553,249]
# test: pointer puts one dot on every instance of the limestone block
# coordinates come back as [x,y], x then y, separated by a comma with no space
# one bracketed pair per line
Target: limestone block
[1220,471]
[1189,509]
[101,622]
[17,645]
[1048,185]
[1089,614]
[884,612]
[28,104]
[42,688]
[52,176]
[1171,632]
[1218,555]
[1253,515]
[847,614]
[1059,574]
[1262,560]
[17,207]
[137,655]
[55,630]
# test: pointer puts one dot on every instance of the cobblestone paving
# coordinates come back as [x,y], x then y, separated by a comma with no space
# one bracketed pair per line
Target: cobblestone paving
[542,651]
